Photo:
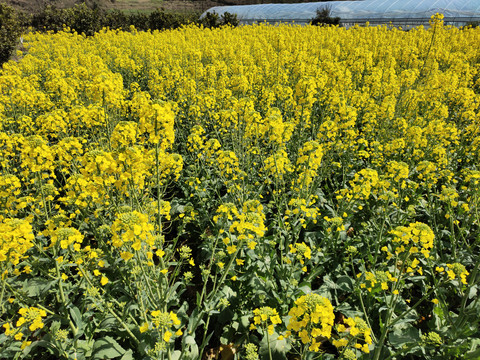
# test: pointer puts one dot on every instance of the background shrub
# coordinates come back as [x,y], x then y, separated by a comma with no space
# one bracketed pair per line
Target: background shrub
[83,19]
[212,20]
[230,19]
[50,18]
[160,19]
[323,18]
[10,30]
[115,19]
[88,20]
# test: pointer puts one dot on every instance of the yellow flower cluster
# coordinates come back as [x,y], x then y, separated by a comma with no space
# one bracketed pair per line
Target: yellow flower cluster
[165,322]
[303,209]
[412,239]
[280,128]
[277,165]
[454,271]
[267,318]
[9,190]
[67,237]
[246,225]
[379,279]
[311,319]
[308,161]
[302,251]
[352,333]
[31,316]
[16,238]
[134,230]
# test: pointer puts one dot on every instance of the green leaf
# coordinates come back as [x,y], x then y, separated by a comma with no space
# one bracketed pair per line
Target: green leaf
[45,344]
[189,340]
[35,287]
[245,321]
[176,355]
[128,355]
[55,325]
[473,355]
[410,335]
[85,346]
[77,319]
[107,348]
[107,323]
[305,288]
[279,348]
[472,293]
[345,283]
[329,283]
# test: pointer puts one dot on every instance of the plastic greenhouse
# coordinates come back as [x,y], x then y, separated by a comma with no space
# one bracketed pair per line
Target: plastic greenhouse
[397,12]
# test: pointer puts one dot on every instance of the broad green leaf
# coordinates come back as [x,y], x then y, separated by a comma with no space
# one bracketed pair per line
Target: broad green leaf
[35,287]
[410,335]
[128,355]
[279,348]
[106,348]
[176,355]
[345,283]
[77,319]
[189,340]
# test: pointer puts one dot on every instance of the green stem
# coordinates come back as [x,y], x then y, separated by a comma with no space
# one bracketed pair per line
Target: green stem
[402,315]
[149,288]
[132,335]
[62,293]
[4,281]
[385,330]
[473,276]
[377,245]
[110,310]
[225,273]
[268,342]
[202,346]
[209,269]
[362,304]
[44,201]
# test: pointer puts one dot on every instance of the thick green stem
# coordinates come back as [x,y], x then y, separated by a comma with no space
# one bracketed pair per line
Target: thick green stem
[377,244]
[385,330]
[147,282]
[362,304]
[202,346]
[209,269]
[44,201]
[62,293]
[132,335]
[268,343]
[4,280]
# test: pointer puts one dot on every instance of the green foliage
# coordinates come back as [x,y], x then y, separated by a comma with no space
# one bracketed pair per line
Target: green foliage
[50,18]
[323,18]
[83,19]
[115,19]
[10,30]
[88,20]
[213,20]
[160,19]
[229,19]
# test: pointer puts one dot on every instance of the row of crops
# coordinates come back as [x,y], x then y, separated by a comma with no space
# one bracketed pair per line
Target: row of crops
[272,192]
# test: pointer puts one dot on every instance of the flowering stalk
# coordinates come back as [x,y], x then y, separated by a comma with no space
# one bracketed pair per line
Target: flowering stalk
[109,308]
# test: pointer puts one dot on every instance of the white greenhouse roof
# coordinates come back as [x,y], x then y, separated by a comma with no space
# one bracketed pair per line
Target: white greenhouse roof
[457,12]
